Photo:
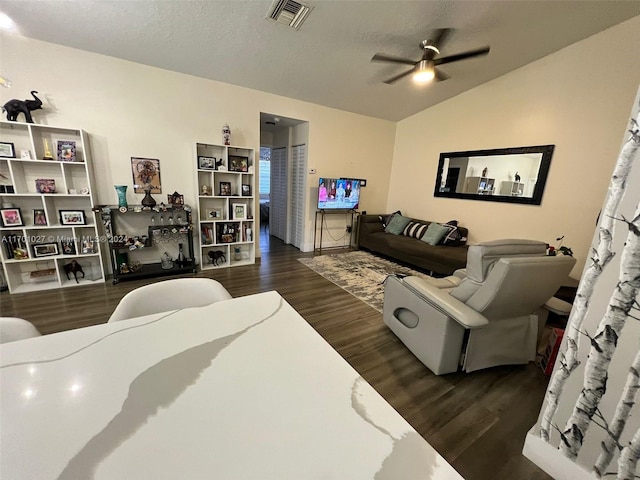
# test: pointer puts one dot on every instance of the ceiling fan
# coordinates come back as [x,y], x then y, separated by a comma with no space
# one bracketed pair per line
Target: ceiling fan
[424,70]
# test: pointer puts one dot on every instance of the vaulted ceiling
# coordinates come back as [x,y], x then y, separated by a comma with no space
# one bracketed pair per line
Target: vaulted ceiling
[326,61]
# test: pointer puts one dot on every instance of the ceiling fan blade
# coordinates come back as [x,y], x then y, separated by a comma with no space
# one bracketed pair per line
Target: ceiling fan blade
[381,57]
[440,75]
[462,56]
[398,77]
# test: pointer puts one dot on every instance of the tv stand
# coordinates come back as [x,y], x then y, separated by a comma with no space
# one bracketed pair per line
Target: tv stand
[321,214]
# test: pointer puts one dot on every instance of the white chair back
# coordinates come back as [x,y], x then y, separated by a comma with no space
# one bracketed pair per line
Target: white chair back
[13,329]
[169,295]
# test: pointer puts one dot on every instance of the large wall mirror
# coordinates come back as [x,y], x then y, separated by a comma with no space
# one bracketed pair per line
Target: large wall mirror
[514,175]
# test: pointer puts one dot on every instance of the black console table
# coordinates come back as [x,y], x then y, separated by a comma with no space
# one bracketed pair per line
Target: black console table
[321,214]
[139,237]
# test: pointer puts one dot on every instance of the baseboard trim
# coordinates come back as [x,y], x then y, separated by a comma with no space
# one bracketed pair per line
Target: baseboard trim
[549,459]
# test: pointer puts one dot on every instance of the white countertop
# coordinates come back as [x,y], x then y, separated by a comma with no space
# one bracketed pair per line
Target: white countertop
[241,389]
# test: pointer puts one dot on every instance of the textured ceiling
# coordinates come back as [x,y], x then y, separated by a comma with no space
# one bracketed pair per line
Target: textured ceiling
[328,60]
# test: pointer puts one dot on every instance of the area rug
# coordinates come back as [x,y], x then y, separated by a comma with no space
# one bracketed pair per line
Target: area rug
[359,273]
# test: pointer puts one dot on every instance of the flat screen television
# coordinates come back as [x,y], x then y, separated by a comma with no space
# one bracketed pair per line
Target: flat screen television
[338,194]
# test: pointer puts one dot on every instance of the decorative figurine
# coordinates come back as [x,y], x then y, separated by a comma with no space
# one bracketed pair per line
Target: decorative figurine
[15,107]
[485,172]
[517,178]
[216,255]
[73,267]
[226,134]
[47,151]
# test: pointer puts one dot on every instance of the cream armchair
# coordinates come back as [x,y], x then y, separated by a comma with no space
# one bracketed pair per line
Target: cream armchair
[481,316]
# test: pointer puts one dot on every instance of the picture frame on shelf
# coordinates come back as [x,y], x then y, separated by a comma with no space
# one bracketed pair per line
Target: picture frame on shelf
[239,211]
[7,150]
[226,232]
[146,171]
[225,189]
[72,217]
[25,155]
[213,214]
[68,246]
[175,199]
[45,250]
[206,163]
[246,190]
[45,185]
[39,217]
[66,151]
[11,217]
[88,246]
[238,164]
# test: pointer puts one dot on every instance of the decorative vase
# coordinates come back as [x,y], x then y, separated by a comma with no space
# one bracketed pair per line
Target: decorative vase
[122,195]
[148,200]
[226,134]
[237,254]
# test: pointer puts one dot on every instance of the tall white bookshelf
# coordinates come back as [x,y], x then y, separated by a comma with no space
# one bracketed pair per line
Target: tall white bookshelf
[54,200]
[225,182]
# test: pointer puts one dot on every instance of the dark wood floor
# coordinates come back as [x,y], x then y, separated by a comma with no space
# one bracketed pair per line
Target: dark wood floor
[477,421]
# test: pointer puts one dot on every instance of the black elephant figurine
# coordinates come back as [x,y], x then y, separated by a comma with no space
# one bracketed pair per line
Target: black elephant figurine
[15,107]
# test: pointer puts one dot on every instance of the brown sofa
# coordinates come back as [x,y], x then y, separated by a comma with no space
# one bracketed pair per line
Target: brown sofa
[438,259]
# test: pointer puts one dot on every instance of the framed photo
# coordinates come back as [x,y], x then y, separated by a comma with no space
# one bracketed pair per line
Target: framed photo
[72,217]
[45,249]
[45,185]
[225,189]
[175,199]
[238,164]
[68,246]
[239,211]
[206,163]
[213,214]
[11,217]
[39,217]
[7,150]
[246,190]
[66,151]
[146,171]
[88,245]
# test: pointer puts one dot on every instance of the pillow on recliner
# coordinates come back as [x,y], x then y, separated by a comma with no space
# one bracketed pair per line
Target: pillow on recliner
[397,224]
[434,233]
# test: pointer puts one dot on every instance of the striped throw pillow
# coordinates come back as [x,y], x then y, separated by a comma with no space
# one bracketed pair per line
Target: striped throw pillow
[415,229]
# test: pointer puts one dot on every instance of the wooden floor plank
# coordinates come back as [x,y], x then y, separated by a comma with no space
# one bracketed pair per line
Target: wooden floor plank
[477,421]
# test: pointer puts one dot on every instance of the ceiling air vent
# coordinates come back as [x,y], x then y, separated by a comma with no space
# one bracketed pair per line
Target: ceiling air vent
[289,12]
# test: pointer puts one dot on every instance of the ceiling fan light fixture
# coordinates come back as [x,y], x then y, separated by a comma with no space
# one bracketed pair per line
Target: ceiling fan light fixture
[424,72]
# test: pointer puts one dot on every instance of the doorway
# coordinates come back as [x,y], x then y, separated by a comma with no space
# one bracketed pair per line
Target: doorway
[284,201]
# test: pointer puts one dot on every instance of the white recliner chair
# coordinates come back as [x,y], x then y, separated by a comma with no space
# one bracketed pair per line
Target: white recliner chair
[481,316]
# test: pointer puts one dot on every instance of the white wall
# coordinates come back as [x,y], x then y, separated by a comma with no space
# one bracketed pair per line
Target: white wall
[577,98]
[136,110]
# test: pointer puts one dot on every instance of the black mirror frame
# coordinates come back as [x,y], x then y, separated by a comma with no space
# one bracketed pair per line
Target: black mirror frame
[536,199]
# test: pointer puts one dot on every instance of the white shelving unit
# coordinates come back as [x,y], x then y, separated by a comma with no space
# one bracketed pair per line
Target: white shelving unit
[27,251]
[515,189]
[479,185]
[226,188]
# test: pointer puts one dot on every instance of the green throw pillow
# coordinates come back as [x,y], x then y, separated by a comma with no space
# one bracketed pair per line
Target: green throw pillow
[434,233]
[397,224]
